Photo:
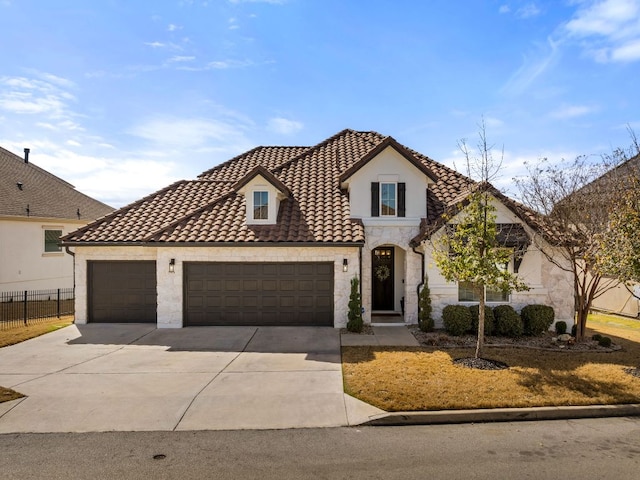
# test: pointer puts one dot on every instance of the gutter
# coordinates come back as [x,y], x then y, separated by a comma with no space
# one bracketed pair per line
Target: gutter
[212,244]
[419,287]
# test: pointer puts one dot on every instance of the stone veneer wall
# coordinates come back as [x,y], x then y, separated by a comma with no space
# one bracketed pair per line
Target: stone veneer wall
[397,236]
[169,285]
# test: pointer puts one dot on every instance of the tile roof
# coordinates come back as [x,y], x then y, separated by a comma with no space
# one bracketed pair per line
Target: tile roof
[209,209]
[26,186]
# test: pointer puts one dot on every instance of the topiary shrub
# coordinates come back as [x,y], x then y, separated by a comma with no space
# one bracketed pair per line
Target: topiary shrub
[488,319]
[574,329]
[507,321]
[537,319]
[605,342]
[355,323]
[561,327]
[425,322]
[596,337]
[456,319]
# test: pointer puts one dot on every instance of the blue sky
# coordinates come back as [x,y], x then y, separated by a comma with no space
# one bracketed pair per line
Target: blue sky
[122,97]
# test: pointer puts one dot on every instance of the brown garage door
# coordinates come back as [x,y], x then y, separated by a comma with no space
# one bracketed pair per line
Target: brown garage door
[122,291]
[258,294]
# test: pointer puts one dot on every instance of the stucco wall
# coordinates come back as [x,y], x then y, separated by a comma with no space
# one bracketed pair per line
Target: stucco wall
[391,165]
[25,264]
[170,285]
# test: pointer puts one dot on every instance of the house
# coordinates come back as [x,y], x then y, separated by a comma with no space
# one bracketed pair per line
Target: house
[36,209]
[274,236]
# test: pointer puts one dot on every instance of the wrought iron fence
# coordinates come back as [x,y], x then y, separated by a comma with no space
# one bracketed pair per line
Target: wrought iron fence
[30,306]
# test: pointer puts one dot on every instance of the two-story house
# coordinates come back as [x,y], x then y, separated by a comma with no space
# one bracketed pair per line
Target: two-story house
[274,236]
[36,209]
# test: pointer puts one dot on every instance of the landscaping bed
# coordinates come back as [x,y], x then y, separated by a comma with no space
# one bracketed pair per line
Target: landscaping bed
[539,373]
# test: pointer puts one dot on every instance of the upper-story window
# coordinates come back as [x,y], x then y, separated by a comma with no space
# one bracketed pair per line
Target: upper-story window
[260,205]
[388,200]
[51,240]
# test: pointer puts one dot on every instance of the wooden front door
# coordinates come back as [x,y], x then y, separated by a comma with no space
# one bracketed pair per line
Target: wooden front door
[382,267]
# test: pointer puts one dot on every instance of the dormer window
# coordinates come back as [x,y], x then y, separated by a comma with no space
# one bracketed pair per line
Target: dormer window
[260,205]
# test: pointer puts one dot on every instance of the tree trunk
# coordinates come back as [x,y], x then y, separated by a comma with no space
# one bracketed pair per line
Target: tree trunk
[480,343]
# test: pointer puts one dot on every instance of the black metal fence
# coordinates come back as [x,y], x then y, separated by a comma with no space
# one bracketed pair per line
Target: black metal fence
[30,306]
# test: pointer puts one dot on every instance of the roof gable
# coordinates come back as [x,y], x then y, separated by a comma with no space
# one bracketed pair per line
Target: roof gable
[388,142]
[260,171]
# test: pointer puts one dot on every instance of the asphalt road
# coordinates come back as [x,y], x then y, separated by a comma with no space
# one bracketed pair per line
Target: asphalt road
[563,449]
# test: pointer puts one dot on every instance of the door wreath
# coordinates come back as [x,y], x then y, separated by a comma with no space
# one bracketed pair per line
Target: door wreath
[382,272]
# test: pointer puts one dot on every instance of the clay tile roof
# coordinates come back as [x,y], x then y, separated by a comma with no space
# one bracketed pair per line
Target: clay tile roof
[24,185]
[316,210]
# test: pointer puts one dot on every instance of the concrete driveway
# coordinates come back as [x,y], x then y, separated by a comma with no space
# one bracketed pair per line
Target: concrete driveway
[116,377]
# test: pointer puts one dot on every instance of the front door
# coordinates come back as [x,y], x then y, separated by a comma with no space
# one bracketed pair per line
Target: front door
[382,266]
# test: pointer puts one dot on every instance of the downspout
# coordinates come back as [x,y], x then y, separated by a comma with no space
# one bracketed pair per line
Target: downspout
[360,273]
[419,287]
[73,255]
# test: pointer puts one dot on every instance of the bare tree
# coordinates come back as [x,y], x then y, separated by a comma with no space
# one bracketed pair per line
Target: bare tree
[577,199]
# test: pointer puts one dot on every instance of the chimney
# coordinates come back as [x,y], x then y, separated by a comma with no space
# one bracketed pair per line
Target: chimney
[26,155]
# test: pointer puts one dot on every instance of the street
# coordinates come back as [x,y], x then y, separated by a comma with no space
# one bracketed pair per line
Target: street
[607,448]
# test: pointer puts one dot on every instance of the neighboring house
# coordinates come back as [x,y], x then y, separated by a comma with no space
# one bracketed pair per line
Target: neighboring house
[274,236]
[618,299]
[36,209]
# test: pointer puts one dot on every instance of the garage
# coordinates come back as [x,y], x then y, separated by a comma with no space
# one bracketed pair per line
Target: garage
[258,294]
[122,291]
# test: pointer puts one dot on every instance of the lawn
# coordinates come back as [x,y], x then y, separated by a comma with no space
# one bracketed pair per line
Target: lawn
[405,379]
[20,334]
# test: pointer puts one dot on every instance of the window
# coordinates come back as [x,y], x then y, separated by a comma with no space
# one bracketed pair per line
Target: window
[260,205]
[51,239]
[466,293]
[388,199]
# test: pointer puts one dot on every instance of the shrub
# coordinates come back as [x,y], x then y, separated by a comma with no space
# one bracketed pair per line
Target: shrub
[507,321]
[425,322]
[561,327]
[597,337]
[574,329]
[456,319]
[604,342]
[355,324]
[488,319]
[537,319]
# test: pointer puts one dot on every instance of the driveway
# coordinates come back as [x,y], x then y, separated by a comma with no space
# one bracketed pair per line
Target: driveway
[116,377]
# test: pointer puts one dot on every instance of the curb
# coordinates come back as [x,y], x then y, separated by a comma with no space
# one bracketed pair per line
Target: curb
[440,417]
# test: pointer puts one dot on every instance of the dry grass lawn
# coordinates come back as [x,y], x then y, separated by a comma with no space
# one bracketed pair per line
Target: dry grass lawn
[405,379]
[20,334]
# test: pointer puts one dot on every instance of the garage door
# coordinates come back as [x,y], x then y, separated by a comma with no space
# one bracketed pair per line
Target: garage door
[122,291]
[259,294]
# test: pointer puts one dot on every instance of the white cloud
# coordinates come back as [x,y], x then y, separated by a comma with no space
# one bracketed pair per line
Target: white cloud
[172,28]
[504,9]
[273,2]
[528,11]
[155,44]
[181,58]
[284,126]
[533,67]
[572,111]
[609,29]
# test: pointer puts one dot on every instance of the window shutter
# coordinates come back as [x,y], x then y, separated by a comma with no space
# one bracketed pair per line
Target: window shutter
[401,199]
[375,199]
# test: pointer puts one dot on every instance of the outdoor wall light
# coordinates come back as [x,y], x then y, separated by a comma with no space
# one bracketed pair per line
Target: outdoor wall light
[172,265]
[345,265]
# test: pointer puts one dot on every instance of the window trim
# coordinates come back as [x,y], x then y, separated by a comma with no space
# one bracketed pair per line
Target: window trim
[58,248]
[264,206]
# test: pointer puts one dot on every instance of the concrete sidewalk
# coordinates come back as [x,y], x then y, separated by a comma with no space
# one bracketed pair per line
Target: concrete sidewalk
[101,377]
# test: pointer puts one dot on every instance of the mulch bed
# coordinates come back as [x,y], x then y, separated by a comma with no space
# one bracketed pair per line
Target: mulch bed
[635,372]
[366,330]
[480,363]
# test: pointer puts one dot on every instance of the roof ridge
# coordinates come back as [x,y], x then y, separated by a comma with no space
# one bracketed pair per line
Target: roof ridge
[126,208]
[325,142]
[197,211]
[244,154]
